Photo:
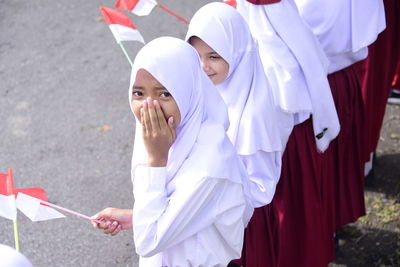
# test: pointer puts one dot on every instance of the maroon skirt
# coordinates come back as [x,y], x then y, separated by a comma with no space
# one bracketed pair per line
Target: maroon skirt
[348,149]
[396,78]
[378,71]
[292,230]
[259,247]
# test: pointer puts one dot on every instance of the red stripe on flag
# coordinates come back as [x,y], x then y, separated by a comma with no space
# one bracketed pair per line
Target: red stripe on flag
[230,2]
[6,183]
[126,4]
[35,192]
[113,16]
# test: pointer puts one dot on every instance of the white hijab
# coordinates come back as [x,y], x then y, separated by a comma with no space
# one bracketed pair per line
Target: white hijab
[202,148]
[246,91]
[296,64]
[344,25]
[12,258]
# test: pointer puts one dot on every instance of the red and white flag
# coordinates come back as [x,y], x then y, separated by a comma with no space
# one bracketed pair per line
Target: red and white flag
[120,25]
[27,199]
[33,208]
[230,2]
[137,7]
[8,208]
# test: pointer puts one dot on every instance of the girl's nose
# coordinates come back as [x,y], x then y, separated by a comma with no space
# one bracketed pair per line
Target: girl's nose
[205,66]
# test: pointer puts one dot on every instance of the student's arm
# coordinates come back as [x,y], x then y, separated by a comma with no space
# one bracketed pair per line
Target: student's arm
[161,222]
[264,170]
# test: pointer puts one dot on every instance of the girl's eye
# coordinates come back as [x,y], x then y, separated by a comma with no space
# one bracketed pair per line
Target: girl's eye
[215,57]
[137,93]
[165,94]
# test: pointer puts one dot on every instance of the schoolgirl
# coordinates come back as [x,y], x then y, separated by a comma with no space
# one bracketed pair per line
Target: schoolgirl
[190,207]
[296,65]
[259,131]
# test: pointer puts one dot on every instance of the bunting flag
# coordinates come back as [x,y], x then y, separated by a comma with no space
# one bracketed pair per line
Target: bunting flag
[120,25]
[137,7]
[144,7]
[230,2]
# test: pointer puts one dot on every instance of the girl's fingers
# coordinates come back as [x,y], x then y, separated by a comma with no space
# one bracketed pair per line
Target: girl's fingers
[142,121]
[117,230]
[146,117]
[153,115]
[111,228]
[160,114]
[171,125]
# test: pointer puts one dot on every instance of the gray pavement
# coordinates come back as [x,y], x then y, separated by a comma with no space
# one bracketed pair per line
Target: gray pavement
[65,122]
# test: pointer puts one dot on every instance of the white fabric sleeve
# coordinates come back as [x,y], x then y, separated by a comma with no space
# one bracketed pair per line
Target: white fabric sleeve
[161,221]
[264,170]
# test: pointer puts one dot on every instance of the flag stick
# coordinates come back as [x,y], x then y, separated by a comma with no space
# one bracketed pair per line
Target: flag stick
[11,188]
[172,13]
[126,54]
[16,235]
[67,210]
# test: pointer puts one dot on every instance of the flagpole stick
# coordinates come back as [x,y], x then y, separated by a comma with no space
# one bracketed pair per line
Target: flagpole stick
[126,54]
[16,235]
[172,13]
[11,185]
[67,210]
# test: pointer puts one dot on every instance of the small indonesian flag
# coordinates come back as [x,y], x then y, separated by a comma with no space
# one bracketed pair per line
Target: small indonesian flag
[8,208]
[230,2]
[27,199]
[137,7]
[120,25]
[34,210]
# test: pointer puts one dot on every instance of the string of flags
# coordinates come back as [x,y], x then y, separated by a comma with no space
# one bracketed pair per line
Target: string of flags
[122,27]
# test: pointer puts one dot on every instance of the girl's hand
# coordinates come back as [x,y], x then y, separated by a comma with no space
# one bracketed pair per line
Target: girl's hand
[158,134]
[114,220]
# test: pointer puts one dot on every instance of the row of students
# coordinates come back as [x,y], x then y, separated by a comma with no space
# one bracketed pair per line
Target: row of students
[194,190]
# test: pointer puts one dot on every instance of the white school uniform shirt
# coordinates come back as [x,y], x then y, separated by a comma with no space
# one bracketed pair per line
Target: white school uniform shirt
[344,28]
[193,211]
[295,64]
[255,123]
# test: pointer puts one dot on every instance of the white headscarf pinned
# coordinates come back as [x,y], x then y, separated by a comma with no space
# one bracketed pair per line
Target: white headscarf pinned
[202,148]
[246,90]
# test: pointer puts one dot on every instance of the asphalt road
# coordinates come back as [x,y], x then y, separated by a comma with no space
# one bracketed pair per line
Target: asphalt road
[65,122]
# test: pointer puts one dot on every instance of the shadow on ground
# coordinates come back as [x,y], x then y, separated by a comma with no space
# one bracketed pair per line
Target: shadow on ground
[374,240]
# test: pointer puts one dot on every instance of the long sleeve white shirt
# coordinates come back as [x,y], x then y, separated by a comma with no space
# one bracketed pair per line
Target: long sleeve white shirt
[263,169]
[187,222]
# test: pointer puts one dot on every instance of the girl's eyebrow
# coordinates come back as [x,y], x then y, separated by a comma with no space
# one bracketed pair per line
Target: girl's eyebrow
[137,87]
[212,53]
[160,87]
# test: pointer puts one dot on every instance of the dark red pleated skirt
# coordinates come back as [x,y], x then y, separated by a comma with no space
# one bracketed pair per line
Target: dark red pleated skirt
[378,71]
[396,78]
[348,149]
[259,247]
[292,230]
[301,234]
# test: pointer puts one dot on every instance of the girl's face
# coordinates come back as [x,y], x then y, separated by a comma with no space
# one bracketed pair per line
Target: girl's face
[147,86]
[213,64]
